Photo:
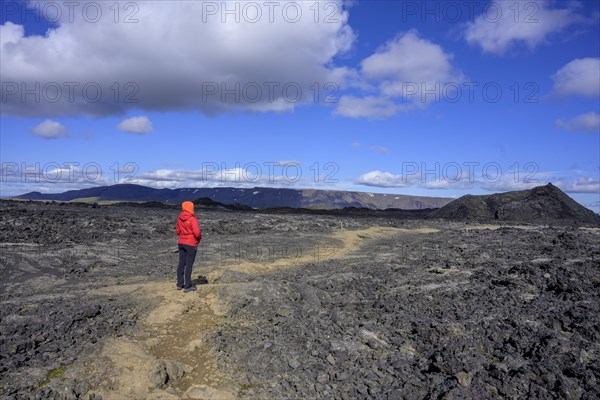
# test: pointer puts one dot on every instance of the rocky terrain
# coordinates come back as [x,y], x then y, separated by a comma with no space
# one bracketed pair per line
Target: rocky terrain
[295,305]
[542,204]
[439,315]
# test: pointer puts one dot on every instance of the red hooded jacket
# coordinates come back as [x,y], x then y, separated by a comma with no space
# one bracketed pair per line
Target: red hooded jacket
[187,226]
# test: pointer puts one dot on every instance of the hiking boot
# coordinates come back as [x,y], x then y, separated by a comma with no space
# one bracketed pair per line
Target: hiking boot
[179,287]
[190,289]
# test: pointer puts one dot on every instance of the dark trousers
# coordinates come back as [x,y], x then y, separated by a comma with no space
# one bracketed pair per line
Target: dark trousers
[187,254]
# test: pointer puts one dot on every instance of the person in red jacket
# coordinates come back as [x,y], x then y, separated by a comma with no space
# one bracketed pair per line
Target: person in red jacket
[190,235]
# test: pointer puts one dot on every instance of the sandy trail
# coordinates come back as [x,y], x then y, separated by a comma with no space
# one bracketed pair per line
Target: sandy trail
[338,245]
[170,357]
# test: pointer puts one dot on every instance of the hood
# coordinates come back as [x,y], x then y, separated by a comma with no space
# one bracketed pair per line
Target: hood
[188,206]
[185,215]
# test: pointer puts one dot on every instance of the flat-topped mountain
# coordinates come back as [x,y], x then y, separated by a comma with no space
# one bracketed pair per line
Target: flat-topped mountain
[258,197]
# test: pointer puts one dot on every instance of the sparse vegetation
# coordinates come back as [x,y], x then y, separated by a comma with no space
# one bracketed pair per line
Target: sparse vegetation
[52,374]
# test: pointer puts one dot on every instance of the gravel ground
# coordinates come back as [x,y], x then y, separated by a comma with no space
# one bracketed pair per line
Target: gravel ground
[510,313]
[55,258]
[459,313]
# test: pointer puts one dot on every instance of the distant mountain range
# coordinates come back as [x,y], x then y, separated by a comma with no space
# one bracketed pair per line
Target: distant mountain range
[540,205]
[258,197]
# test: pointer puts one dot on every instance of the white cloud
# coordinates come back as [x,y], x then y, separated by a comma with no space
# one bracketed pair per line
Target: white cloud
[268,174]
[177,56]
[53,178]
[416,179]
[567,185]
[140,124]
[49,130]
[507,185]
[460,184]
[407,72]
[194,178]
[584,122]
[579,185]
[408,60]
[382,179]
[369,107]
[579,77]
[504,24]
[447,178]
[284,163]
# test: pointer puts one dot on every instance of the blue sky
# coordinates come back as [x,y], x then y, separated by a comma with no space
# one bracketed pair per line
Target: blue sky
[429,98]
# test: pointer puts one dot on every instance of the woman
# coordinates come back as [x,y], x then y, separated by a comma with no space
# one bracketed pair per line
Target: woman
[189,236]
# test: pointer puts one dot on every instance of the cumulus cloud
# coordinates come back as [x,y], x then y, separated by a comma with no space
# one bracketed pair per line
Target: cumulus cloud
[382,179]
[453,177]
[140,124]
[204,177]
[268,174]
[504,24]
[435,176]
[406,61]
[49,130]
[407,72]
[387,179]
[366,107]
[579,77]
[179,55]
[566,184]
[579,185]
[588,122]
[507,185]
[53,177]
[446,184]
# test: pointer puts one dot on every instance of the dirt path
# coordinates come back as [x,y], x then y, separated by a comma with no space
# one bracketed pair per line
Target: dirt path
[171,357]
